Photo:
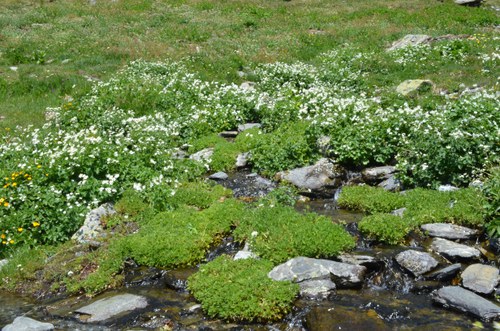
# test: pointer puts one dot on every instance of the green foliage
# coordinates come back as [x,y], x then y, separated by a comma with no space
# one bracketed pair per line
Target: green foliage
[198,194]
[286,148]
[182,237]
[370,199]
[131,204]
[491,191]
[241,290]
[283,233]
[284,195]
[387,228]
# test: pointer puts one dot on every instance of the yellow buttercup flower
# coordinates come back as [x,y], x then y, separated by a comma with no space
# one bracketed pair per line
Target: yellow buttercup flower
[4,242]
[2,236]
[35,224]
[5,204]
[11,241]
[19,229]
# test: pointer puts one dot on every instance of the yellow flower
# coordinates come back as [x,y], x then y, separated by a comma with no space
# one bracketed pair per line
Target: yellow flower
[2,236]
[19,229]
[38,166]
[11,241]
[2,200]
[14,184]
[4,242]
[5,204]
[35,224]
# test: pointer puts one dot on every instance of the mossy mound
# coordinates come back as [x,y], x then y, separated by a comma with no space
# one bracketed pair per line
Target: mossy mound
[370,199]
[241,291]
[284,233]
[198,194]
[387,228]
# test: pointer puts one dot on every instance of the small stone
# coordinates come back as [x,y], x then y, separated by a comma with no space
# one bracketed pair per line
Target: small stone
[244,255]
[219,176]
[414,86]
[447,188]
[480,278]
[228,134]
[247,86]
[22,323]
[317,288]
[203,155]
[448,231]
[454,251]
[391,184]
[446,273]
[399,212]
[461,299]
[194,309]
[242,159]
[107,308]
[248,126]
[416,262]
[3,262]
[410,40]
[473,3]
[65,61]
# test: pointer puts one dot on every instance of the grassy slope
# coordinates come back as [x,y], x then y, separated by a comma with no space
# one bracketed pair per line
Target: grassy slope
[217,37]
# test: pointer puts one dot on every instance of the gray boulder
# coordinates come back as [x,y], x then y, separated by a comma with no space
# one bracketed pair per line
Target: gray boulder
[92,228]
[316,288]
[203,155]
[391,184]
[446,273]
[464,300]
[247,126]
[454,251]
[322,178]
[416,262]
[304,268]
[219,176]
[480,278]
[242,159]
[447,188]
[107,308]
[23,323]
[377,174]
[410,40]
[414,86]
[448,231]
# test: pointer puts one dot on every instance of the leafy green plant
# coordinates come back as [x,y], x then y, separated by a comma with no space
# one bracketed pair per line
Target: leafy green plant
[278,233]
[241,290]
[387,228]
[370,199]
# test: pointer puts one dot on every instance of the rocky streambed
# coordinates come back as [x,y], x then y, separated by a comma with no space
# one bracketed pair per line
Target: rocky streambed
[444,277]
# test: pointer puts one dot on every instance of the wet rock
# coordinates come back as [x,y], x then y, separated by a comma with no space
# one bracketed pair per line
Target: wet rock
[448,231]
[242,159]
[480,278]
[304,268]
[447,188]
[317,288]
[410,40]
[203,155]
[107,308]
[416,262]
[248,126]
[367,261]
[177,279]
[425,286]
[249,185]
[219,176]
[92,228]
[377,174]
[391,184]
[446,273]
[414,86]
[196,308]
[22,323]
[454,251]
[322,178]
[399,212]
[472,3]
[464,300]
[228,134]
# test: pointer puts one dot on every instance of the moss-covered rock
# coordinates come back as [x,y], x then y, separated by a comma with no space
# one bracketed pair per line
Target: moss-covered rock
[241,290]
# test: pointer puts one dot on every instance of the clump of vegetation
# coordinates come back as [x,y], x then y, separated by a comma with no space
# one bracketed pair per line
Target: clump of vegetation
[182,237]
[197,194]
[370,199]
[491,190]
[278,233]
[241,290]
[387,228]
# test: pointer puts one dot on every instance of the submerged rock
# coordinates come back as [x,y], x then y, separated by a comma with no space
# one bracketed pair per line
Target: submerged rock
[107,308]
[480,278]
[316,288]
[414,86]
[446,273]
[92,228]
[448,231]
[304,268]
[464,300]
[454,251]
[22,323]
[416,262]
[322,178]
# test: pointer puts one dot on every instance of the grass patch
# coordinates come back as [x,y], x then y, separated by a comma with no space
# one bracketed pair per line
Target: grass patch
[386,228]
[198,194]
[283,233]
[241,291]
[370,199]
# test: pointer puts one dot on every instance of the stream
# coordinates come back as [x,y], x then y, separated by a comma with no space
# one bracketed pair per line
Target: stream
[390,299]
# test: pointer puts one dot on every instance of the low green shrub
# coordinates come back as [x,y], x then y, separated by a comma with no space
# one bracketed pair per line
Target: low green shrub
[387,228]
[491,190]
[198,194]
[241,290]
[370,199]
[182,237]
[284,233]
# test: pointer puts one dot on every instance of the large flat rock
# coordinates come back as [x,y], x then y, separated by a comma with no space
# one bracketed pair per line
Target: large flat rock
[107,308]
[418,263]
[480,278]
[304,268]
[448,231]
[23,323]
[453,250]
[464,300]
